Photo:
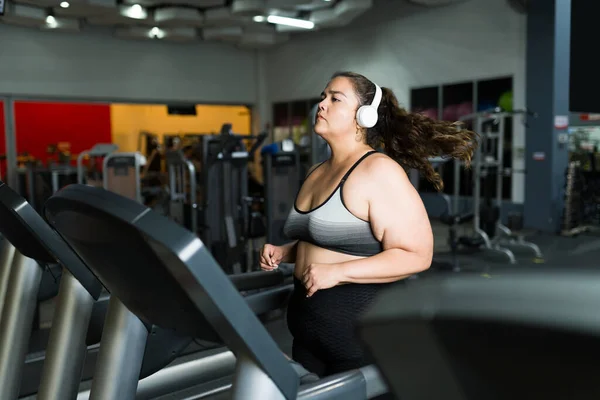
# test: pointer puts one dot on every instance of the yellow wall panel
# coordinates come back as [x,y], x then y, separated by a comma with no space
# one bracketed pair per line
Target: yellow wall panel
[128,120]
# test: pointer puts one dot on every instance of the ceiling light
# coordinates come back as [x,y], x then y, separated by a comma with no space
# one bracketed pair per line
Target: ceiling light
[259,18]
[297,23]
[50,20]
[157,33]
[64,4]
[135,11]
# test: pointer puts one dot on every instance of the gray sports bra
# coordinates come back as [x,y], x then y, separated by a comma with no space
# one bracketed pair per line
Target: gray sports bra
[332,226]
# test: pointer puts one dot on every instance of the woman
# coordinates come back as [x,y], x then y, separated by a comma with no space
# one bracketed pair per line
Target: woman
[358,224]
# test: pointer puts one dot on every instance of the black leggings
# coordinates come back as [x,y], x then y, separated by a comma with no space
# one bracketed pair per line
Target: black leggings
[323,327]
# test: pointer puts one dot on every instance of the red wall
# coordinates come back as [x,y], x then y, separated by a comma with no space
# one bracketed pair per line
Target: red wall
[39,124]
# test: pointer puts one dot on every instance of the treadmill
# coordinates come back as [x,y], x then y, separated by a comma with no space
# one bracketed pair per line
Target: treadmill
[55,372]
[55,369]
[30,244]
[136,253]
[515,335]
[47,290]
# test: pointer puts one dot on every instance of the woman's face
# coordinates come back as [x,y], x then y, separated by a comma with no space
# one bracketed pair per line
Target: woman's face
[336,116]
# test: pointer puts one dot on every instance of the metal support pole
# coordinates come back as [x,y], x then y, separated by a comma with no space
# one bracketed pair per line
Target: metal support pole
[477,176]
[251,382]
[67,348]
[121,353]
[7,253]
[500,160]
[17,322]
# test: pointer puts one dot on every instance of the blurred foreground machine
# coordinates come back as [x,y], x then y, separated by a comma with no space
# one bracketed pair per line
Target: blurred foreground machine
[518,335]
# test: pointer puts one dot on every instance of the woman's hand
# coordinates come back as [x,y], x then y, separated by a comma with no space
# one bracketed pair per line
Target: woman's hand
[270,257]
[321,276]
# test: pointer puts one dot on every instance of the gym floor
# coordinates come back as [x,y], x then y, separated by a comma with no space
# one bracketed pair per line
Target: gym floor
[581,251]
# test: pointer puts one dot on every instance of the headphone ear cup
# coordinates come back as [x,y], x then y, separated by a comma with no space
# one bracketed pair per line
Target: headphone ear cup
[366,116]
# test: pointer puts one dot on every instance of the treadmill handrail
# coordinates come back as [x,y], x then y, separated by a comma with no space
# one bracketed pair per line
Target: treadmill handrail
[543,298]
[258,279]
[196,274]
[55,249]
[268,300]
[362,383]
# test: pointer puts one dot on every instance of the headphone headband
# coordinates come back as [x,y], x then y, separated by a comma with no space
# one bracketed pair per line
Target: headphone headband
[377,99]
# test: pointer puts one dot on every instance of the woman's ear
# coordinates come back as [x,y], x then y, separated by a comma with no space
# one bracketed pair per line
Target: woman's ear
[360,135]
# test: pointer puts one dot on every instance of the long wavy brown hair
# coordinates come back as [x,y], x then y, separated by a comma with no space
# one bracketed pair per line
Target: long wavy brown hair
[411,138]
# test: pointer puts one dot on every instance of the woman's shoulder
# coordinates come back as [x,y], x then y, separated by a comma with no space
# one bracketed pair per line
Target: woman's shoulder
[381,163]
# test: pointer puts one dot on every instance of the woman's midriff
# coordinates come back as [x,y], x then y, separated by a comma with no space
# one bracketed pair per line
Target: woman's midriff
[307,253]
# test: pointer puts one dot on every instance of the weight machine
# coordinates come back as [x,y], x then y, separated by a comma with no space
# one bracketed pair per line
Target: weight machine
[122,174]
[488,230]
[212,199]
[37,182]
[91,175]
[183,193]
[227,210]
[281,168]
[451,218]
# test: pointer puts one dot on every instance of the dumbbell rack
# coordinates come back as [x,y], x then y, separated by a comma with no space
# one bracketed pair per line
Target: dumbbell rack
[576,214]
[571,218]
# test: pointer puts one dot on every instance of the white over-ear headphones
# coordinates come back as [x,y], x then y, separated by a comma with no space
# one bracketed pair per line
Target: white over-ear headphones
[366,116]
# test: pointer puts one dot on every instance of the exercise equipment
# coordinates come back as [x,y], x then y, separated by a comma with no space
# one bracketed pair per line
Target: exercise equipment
[202,362]
[7,252]
[122,174]
[281,170]
[454,221]
[37,182]
[72,350]
[514,335]
[92,174]
[448,217]
[572,213]
[581,211]
[224,191]
[488,162]
[198,299]
[183,191]
[149,146]
[33,245]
